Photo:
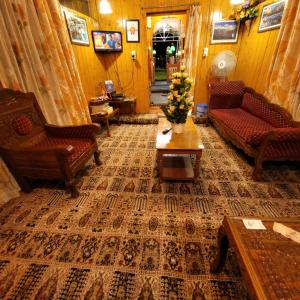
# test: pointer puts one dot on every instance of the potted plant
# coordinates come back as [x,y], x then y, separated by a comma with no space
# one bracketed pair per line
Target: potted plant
[246,12]
[179,100]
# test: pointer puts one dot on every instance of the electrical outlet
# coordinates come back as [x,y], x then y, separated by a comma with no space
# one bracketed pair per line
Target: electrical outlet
[205,52]
[133,55]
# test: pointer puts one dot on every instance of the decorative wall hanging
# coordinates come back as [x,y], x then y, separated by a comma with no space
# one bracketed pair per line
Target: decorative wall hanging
[246,12]
[271,16]
[225,31]
[77,29]
[132,31]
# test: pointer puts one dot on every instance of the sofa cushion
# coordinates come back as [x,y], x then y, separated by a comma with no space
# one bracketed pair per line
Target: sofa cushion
[248,127]
[264,111]
[227,94]
[81,146]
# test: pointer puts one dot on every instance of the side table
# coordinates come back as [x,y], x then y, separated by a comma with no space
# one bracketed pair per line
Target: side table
[126,105]
[100,115]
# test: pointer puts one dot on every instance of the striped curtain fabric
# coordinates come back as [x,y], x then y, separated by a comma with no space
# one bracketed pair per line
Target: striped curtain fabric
[37,56]
[192,42]
[283,86]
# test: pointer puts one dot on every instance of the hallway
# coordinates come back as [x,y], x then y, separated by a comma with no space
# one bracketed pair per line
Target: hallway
[159,92]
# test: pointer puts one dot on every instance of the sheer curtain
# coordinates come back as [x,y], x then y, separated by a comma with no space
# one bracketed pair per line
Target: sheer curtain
[192,41]
[37,56]
[284,73]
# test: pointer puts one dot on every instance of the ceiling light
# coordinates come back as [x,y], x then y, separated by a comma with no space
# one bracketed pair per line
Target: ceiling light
[217,16]
[105,7]
[236,2]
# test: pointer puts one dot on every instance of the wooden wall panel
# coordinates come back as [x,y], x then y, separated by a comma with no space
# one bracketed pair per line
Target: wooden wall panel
[130,77]
[255,54]
[208,8]
[90,69]
[254,51]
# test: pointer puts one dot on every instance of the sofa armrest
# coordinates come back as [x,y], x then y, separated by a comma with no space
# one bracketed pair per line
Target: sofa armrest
[228,94]
[82,131]
[64,150]
[285,135]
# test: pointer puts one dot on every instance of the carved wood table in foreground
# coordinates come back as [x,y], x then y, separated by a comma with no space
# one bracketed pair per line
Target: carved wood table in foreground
[269,261]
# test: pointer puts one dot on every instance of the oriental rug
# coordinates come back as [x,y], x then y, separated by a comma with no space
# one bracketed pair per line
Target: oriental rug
[130,236]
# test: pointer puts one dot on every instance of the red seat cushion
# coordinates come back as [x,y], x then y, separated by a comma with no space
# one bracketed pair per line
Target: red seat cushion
[81,146]
[249,127]
[264,111]
[22,125]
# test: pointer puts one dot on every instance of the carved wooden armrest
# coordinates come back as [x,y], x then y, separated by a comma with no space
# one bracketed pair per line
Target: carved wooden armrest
[59,149]
[80,131]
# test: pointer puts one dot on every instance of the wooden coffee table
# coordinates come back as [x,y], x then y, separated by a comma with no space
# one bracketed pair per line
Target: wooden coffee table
[174,151]
[269,261]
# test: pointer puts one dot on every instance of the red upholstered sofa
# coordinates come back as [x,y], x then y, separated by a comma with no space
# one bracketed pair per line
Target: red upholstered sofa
[263,130]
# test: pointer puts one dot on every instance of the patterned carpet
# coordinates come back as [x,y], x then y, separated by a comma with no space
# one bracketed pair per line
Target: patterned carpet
[128,236]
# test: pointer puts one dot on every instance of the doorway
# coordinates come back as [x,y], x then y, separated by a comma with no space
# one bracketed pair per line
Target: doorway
[165,43]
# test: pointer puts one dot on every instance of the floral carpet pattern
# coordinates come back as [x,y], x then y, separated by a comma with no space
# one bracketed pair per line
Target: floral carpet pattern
[130,236]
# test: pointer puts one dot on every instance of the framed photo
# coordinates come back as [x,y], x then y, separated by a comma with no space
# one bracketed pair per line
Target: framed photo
[77,29]
[224,31]
[271,16]
[132,31]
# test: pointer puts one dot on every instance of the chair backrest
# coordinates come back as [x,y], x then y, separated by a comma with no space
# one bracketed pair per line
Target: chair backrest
[21,120]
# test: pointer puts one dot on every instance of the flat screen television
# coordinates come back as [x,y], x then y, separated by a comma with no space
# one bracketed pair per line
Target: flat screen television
[107,41]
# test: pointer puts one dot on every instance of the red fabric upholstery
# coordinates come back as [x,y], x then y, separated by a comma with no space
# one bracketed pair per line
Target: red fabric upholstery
[83,131]
[81,146]
[22,125]
[250,128]
[227,88]
[287,135]
[282,150]
[264,130]
[228,94]
[264,111]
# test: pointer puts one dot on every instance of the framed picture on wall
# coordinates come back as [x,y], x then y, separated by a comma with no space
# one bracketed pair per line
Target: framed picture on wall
[271,16]
[77,29]
[224,31]
[132,31]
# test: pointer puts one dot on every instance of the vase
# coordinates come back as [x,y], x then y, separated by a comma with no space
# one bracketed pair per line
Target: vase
[177,128]
[248,24]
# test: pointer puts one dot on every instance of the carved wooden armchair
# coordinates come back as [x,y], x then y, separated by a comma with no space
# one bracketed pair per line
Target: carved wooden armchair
[33,149]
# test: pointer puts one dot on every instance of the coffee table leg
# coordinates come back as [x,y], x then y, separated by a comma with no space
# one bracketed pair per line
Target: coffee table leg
[159,158]
[197,164]
[218,263]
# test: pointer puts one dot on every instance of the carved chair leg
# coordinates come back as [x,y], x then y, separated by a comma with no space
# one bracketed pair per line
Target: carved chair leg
[258,170]
[97,158]
[218,263]
[107,127]
[118,116]
[71,186]
[24,184]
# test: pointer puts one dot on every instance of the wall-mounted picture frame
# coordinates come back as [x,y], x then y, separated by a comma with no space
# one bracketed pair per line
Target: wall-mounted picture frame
[132,31]
[271,16]
[77,28]
[224,31]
